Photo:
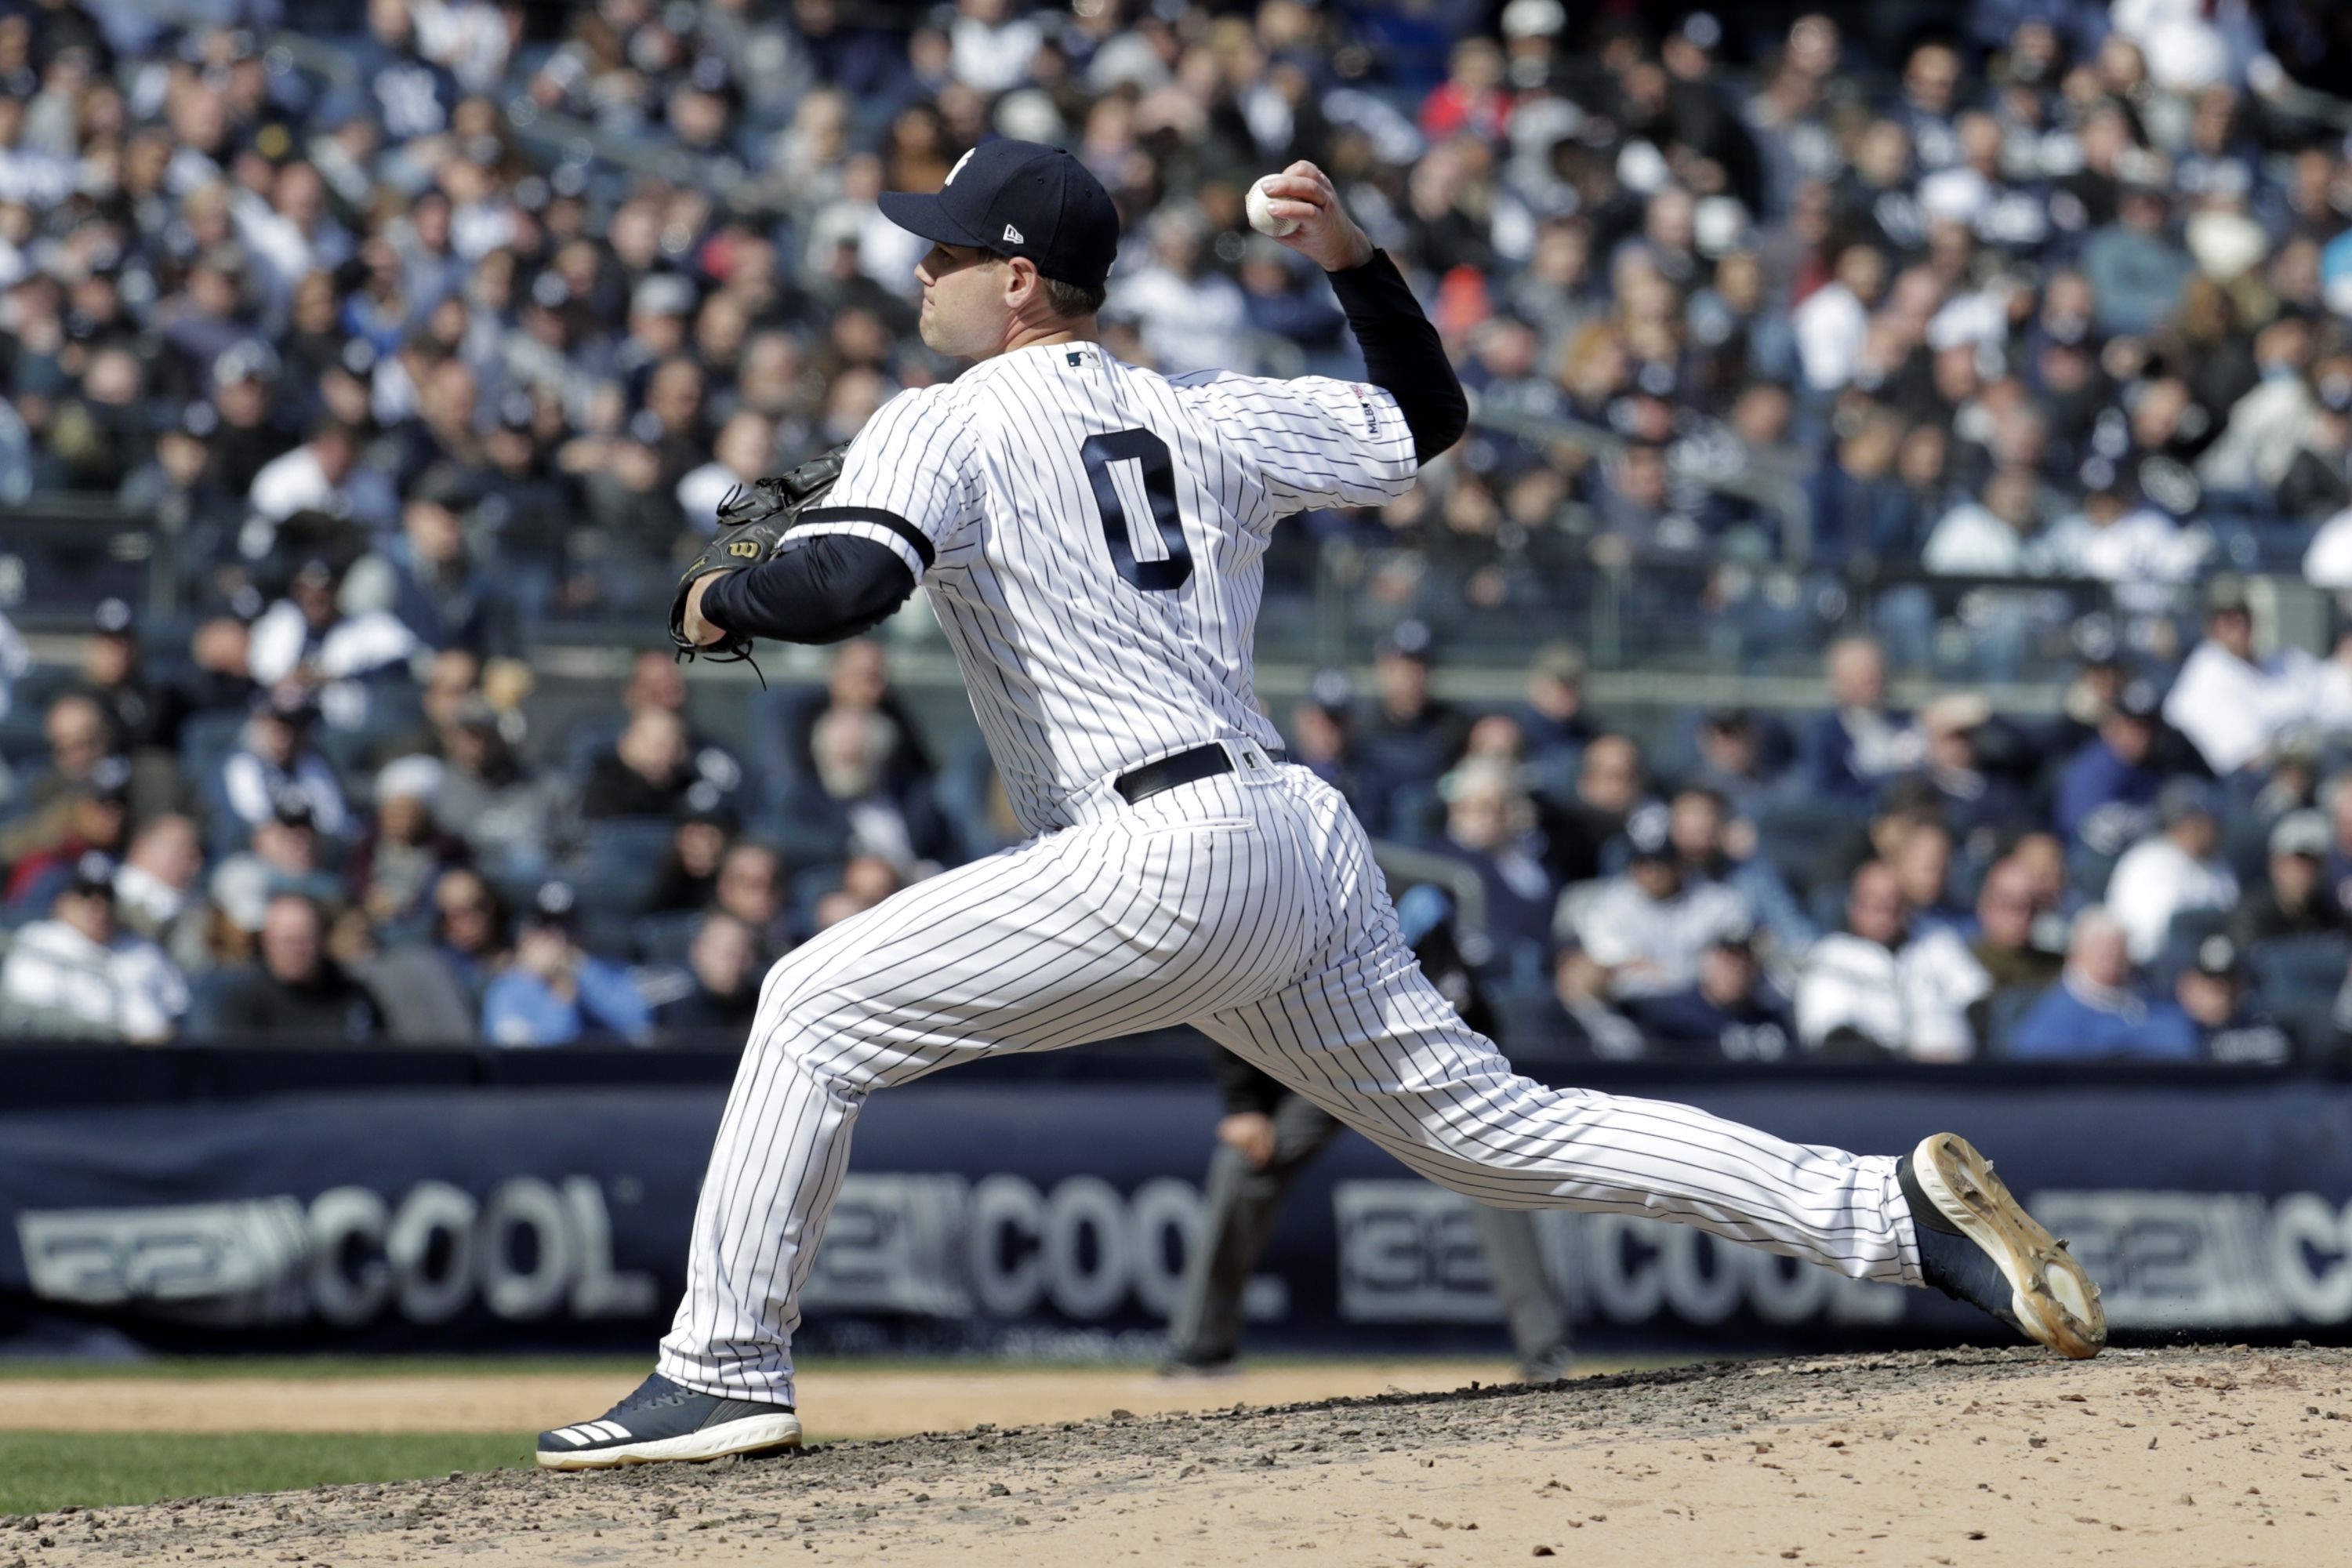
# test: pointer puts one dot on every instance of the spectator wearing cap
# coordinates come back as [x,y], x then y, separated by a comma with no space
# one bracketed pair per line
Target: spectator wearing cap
[395,864]
[1490,827]
[2116,536]
[1846,753]
[276,760]
[2097,681]
[556,993]
[1646,929]
[2295,900]
[1553,716]
[139,714]
[431,581]
[1407,737]
[282,854]
[659,308]
[240,434]
[2096,1010]
[1731,1010]
[1876,988]
[1975,804]
[71,819]
[307,640]
[718,994]
[689,873]
[2213,1003]
[1322,738]
[77,973]
[2106,793]
[504,810]
[2229,702]
[1741,757]
[294,989]
[2177,869]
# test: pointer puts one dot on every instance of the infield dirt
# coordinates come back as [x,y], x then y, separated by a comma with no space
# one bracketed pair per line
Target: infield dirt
[2203,1457]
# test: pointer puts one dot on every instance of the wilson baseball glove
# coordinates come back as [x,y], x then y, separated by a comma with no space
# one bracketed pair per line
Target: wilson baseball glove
[751,526]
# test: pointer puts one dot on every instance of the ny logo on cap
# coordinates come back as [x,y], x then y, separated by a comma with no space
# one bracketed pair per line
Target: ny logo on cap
[1013,235]
[960,163]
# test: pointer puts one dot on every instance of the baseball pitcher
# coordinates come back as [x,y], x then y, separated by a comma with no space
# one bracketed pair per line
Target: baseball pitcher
[1090,534]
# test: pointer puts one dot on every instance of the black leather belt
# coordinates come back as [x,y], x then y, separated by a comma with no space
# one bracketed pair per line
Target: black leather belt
[1183,768]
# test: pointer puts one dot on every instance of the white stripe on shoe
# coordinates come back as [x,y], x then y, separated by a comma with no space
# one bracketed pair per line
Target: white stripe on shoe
[748,1435]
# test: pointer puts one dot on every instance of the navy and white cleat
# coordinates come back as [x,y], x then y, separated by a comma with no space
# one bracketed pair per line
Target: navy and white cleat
[663,1423]
[1978,1245]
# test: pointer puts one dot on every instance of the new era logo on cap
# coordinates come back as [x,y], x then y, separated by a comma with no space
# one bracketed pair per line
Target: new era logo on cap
[1013,235]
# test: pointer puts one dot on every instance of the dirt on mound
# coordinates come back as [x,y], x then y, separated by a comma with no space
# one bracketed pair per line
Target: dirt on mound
[2203,1457]
[839,1400]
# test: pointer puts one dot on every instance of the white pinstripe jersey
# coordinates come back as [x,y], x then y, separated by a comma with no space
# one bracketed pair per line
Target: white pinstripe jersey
[1092,534]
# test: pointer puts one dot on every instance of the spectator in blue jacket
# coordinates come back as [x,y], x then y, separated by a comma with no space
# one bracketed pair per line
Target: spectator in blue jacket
[1848,752]
[2106,793]
[556,993]
[2096,1010]
[431,580]
[1733,1011]
[2214,1005]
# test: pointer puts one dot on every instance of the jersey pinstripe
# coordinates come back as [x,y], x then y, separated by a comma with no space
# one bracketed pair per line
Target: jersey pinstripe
[986,489]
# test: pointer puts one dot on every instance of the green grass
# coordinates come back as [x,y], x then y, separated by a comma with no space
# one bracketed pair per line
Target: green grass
[45,1471]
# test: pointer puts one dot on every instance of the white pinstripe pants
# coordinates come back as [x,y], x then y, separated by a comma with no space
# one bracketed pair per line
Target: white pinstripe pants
[1250,908]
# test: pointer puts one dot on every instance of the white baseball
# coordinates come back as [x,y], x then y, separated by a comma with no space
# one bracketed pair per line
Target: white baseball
[1261,212]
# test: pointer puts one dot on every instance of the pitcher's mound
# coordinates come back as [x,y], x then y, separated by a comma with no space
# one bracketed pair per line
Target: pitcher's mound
[2186,1456]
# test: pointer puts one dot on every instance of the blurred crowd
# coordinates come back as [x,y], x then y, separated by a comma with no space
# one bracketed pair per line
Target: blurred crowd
[420,326]
[2034,290]
[220,847]
[2163,870]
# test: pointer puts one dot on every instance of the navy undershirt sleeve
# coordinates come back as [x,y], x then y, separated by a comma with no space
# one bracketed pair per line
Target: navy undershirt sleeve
[1402,355]
[833,586]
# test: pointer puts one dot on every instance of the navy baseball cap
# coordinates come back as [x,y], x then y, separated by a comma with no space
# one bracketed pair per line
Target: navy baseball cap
[1019,198]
